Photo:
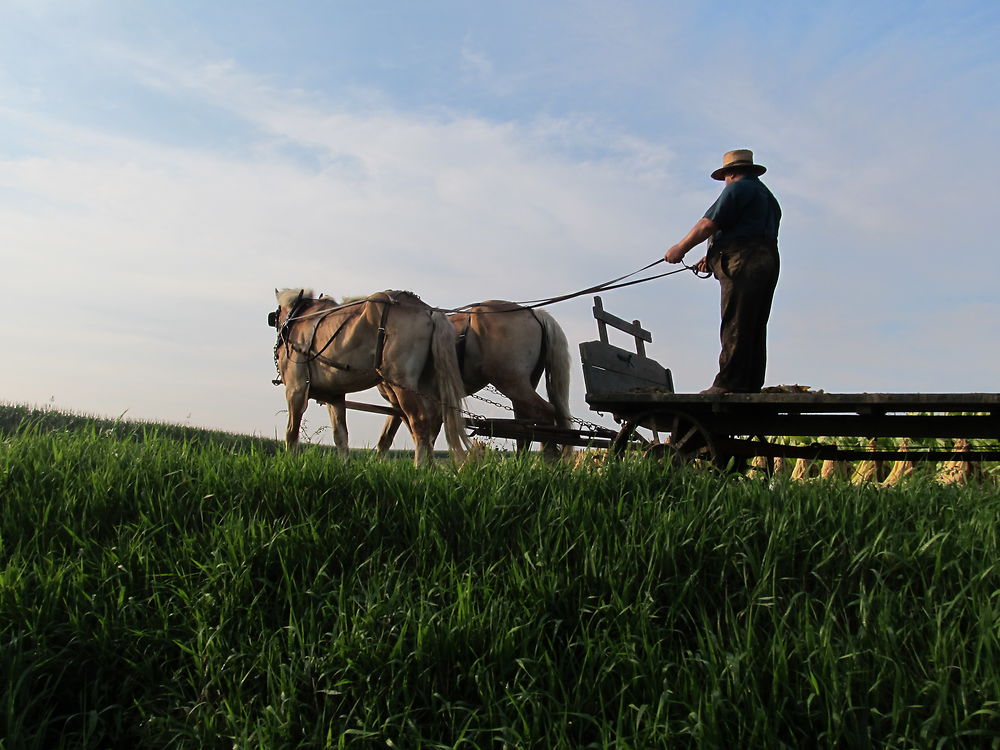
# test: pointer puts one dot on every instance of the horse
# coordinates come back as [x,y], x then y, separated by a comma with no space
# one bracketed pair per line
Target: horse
[509,346]
[392,339]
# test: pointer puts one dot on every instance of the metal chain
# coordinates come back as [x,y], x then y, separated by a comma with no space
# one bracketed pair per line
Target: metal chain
[588,425]
[493,389]
[576,420]
[490,387]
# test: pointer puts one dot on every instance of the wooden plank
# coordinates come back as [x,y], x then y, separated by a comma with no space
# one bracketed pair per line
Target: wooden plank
[608,368]
[596,379]
[900,426]
[602,327]
[801,403]
[632,329]
[516,429]
[615,359]
[373,408]
[832,425]
[640,346]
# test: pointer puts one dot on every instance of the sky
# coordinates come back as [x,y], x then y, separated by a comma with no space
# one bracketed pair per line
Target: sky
[165,165]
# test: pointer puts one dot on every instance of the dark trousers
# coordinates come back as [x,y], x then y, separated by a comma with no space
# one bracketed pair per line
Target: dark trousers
[748,272]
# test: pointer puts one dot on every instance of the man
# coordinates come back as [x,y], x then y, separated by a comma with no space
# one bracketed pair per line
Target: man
[742,226]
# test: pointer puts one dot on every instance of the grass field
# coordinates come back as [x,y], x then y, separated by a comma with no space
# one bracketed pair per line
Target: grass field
[164,587]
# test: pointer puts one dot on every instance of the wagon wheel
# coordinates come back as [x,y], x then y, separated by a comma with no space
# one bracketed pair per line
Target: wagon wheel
[689,439]
[628,437]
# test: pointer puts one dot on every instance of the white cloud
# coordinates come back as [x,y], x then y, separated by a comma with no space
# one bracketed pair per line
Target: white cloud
[475,62]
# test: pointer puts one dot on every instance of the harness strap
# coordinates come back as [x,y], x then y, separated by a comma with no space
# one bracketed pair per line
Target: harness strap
[460,346]
[380,333]
[536,373]
[284,337]
[329,341]
[313,357]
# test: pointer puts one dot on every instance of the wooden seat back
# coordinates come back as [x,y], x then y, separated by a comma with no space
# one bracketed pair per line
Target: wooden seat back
[610,369]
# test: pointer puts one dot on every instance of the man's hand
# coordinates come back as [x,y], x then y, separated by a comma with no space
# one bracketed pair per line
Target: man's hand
[675,254]
[702,266]
[700,232]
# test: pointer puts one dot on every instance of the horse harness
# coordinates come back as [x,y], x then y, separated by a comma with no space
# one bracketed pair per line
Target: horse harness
[285,339]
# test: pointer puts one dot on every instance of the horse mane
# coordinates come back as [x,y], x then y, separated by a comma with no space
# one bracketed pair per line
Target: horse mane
[394,293]
[288,297]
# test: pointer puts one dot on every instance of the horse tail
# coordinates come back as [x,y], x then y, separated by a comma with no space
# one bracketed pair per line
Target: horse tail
[451,390]
[557,367]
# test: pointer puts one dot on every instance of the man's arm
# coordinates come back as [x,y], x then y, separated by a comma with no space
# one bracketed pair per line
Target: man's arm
[700,232]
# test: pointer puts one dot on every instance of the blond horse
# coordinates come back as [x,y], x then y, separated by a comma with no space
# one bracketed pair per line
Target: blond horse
[508,346]
[391,339]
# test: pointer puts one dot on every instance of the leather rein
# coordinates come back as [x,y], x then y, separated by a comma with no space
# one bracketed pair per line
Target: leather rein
[284,337]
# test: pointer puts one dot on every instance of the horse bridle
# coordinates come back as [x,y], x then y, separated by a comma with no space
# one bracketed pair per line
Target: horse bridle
[283,337]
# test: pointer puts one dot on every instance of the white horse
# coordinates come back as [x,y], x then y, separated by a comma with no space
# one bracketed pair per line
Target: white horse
[391,339]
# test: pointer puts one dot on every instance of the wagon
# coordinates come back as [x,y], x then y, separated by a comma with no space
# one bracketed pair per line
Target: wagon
[730,429]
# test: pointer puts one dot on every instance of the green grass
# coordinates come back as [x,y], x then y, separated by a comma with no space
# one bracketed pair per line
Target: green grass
[160,589]
[19,419]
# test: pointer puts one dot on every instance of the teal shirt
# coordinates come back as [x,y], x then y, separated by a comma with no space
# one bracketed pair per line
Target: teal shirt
[745,209]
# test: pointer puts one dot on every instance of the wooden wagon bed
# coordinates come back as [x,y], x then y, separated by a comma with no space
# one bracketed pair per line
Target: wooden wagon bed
[639,393]
[739,425]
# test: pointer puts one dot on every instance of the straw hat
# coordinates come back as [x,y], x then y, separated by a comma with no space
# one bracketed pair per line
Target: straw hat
[741,157]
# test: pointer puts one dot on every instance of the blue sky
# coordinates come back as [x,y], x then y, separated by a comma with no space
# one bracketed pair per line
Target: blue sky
[165,165]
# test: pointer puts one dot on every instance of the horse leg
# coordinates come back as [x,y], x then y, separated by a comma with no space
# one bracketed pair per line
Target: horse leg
[530,406]
[338,420]
[297,398]
[392,422]
[419,415]
[389,430]
[423,439]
